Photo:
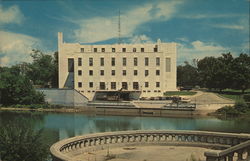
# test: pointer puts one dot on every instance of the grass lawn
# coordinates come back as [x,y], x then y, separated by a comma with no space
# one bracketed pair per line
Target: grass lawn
[233,94]
[181,93]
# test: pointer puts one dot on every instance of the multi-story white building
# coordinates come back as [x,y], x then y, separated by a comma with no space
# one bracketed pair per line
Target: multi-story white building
[127,70]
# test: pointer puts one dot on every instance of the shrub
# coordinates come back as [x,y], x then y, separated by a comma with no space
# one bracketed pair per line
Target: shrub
[246,97]
[228,110]
[20,142]
[241,106]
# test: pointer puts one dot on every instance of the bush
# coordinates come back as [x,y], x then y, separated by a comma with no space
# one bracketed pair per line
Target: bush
[20,142]
[241,106]
[246,97]
[228,110]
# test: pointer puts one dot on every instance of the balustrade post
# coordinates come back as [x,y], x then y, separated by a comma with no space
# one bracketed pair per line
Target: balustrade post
[89,142]
[116,139]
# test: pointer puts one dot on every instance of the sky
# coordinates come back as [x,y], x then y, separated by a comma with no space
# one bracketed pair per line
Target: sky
[199,27]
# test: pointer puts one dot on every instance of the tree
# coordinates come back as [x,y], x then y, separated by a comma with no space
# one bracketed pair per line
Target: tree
[187,75]
[19,142]
[207,68]
[15,88]
[241,72]
[43,70]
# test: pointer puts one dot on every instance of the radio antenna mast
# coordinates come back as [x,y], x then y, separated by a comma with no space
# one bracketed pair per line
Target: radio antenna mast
[119,28]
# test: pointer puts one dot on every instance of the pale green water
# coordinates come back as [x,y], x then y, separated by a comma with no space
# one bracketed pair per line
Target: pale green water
[62,125]
[71,124]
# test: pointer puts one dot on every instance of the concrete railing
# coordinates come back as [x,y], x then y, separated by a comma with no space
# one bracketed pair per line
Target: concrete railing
[229,154]
[228,142]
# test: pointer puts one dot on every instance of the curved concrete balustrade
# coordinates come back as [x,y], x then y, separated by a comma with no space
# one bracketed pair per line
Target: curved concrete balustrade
[230,144]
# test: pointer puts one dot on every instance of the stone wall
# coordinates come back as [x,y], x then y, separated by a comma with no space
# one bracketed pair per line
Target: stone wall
[64,97]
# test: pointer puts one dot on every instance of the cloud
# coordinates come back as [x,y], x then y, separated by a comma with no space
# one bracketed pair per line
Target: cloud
[204,16]
[104,28]
[16,48]
[140,39]
[11,15]
[198,50]
[183,39]
[226,26]
[241,25]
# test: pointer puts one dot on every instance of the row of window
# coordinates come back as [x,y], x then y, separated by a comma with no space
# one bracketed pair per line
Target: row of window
[144,91]
[114,50]
[102,85]
[124,72]
[124,61]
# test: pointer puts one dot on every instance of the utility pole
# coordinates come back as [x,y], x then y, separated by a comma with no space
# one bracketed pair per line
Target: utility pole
[119,28]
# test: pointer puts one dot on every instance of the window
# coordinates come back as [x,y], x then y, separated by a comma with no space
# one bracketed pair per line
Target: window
[102,61]
[90,61]
[79,84]
[103,49]
[70,65]
[113,72]
[90,72]
[124,61]
[146,84]
[157,61]
[135,61]
[79,72]
[95,50]
[102,86]
[101,72]
[79,61]
[157,72]
[113,85]
[124,72]
[113,61]
[91,84]
[82,50]
[135,72]
[135,85]
[134,49]
[168,65]
[156,49]
[124,85]
[123,49]
[142,50]
[146,73]
[157,84]
[113,50]
[146,61]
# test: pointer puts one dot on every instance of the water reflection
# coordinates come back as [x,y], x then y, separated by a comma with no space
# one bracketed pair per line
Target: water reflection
[58,126]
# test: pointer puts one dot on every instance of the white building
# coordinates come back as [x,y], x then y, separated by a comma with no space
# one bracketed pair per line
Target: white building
[145,70]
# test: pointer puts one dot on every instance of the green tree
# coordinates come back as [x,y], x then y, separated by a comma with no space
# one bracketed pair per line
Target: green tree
[43,70]
[207,68]
[241,72]
[216,72]
[187,75]
[19,142]
[15,88]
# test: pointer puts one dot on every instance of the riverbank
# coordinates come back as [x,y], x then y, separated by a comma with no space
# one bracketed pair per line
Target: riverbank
[205,103]
[118,111]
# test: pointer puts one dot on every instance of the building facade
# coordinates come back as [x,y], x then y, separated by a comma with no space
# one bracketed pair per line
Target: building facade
[145,69]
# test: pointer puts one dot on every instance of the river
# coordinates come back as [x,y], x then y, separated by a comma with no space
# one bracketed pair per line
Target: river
[58,126]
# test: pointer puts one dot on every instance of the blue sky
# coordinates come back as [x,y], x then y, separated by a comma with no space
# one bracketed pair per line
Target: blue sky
[200,27]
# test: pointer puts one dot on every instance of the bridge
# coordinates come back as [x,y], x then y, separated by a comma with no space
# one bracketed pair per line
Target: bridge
[232,146]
